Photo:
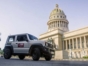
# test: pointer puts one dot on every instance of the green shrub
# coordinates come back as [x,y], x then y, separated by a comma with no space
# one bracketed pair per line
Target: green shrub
[85,57]
[1,52]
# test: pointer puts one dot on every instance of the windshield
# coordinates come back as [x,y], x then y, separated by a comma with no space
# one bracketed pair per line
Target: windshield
[32,37]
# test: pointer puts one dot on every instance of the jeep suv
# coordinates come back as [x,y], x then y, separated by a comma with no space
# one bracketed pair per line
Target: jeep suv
[27,45]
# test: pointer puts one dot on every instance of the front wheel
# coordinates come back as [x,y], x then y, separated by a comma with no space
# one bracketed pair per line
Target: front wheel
[48,58]
[21,57]
[36,54]
[7,53]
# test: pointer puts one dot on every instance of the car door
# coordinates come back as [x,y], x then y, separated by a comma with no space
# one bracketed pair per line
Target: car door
[21,44]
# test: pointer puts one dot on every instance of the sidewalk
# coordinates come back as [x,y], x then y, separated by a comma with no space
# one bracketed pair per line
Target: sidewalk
[71,59]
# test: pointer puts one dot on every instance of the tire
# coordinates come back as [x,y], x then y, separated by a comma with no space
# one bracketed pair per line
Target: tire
[7,53]
[21,57]
[36,54]
[48,58]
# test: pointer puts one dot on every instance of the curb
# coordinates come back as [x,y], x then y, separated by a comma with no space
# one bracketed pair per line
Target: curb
[71,59]
[59,59]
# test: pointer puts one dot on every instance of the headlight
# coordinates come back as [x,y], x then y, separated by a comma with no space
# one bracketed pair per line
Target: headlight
[46,44]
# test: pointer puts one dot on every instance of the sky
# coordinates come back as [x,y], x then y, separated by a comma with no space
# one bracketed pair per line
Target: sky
[31,16]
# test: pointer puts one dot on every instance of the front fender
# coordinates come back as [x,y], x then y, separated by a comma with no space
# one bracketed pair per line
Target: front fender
[9,47]
[40,46]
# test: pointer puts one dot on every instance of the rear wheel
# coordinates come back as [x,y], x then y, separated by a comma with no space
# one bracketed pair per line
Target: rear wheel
[36,54]
[7,53]
[21,57]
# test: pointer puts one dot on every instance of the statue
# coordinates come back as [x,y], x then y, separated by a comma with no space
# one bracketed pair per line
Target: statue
[56,5]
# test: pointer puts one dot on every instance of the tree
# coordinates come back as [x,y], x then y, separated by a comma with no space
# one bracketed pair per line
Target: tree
[1,51]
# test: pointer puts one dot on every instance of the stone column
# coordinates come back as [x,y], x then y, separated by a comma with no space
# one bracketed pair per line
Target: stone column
[85,42]
[66,45]
[73,43]
[65,25]
[76,43]
[62,23]
[80,43]
[56,24]
[49,26]
[69,44]
[63,45]
[59,24]
[52,24]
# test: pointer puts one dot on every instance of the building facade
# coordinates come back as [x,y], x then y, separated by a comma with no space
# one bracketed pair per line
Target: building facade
[69,44]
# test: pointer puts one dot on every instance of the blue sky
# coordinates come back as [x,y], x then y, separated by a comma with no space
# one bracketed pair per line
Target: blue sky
[31,16]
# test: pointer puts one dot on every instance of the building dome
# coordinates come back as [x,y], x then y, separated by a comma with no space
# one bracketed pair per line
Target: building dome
[57,13]
[57,19]
[57,10]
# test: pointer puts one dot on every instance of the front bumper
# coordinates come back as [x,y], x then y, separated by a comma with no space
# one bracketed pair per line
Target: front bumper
[48,51]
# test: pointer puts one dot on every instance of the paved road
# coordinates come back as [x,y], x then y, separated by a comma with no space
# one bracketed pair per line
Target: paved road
[29,62]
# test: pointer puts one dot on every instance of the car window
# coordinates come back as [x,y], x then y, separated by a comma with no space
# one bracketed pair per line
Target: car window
[21,38]
[11,39]
[32,37]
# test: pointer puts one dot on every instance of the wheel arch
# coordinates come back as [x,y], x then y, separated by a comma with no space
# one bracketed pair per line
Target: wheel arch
[9,47]
[39,46]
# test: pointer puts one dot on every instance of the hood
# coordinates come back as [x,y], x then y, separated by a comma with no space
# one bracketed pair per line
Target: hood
[37,42]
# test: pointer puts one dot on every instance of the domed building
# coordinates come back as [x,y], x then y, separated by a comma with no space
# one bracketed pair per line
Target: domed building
[69,44]
[57,20]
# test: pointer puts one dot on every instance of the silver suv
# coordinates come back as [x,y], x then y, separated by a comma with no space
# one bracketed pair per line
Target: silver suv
[27,45]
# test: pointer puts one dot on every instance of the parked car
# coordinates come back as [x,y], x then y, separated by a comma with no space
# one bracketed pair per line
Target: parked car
[27,44]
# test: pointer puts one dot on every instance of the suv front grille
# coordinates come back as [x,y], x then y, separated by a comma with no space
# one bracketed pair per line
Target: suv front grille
[49,45]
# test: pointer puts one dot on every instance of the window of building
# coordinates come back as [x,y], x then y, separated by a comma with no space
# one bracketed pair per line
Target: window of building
[60,16]
[64,16]
[54,16]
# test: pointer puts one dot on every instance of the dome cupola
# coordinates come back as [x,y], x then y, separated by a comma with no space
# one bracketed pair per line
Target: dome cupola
[57,20]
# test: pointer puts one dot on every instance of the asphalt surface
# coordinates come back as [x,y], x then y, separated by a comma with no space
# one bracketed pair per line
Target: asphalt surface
[30,62]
